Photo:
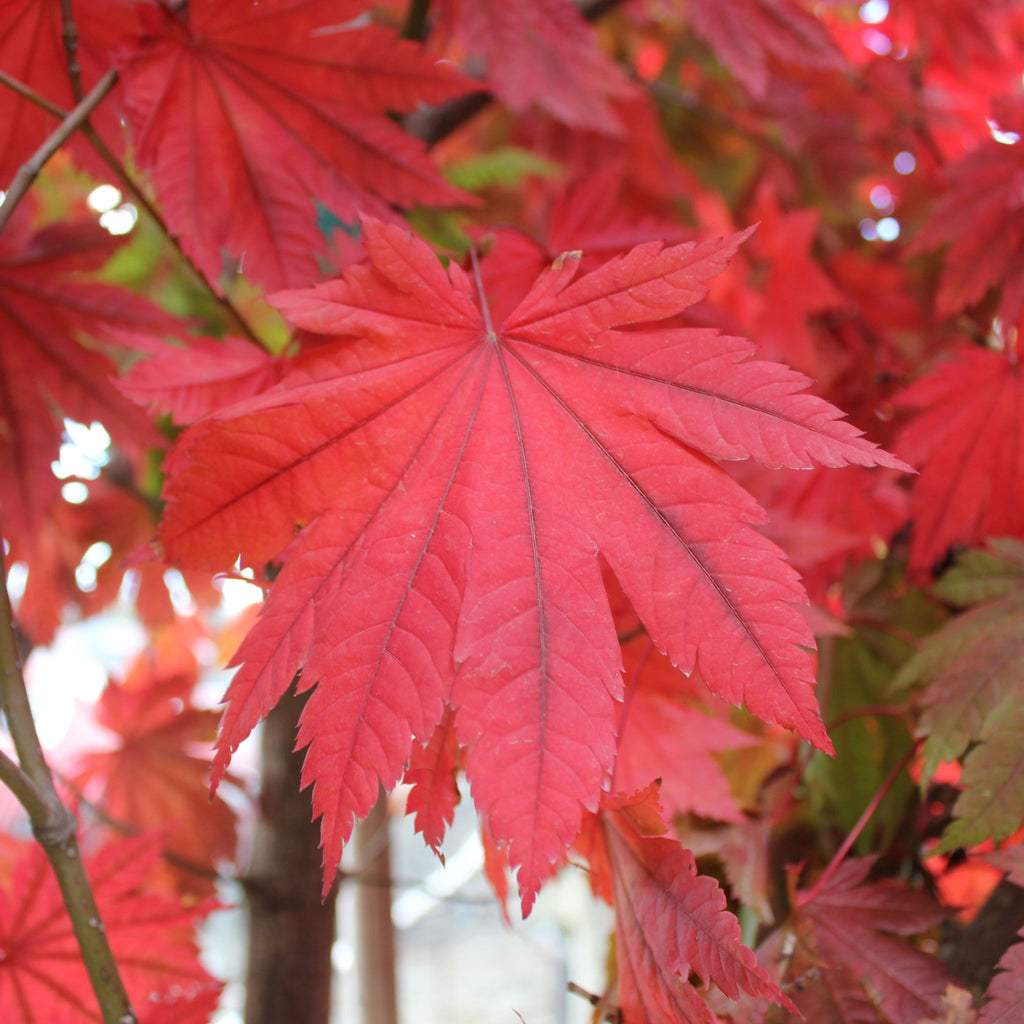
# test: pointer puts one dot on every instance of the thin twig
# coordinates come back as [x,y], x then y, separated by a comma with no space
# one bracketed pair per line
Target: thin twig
[29,170]
[415,26]
[840,854]
[28,93]
[140,199]
[54,827]
[70,36]
[24,789]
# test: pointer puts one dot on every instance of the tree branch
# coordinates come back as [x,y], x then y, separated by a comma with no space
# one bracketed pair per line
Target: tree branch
[29,170]
[54,826]
[28,93]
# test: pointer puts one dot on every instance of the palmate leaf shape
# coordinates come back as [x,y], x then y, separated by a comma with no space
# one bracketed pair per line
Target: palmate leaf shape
[42,978]
[456,480]
[154,774]
[32,50]
[848,931]
[247,119]
[965,438]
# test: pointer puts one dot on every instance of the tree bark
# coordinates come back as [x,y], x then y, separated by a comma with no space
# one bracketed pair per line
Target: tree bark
[376,950]
[290,930]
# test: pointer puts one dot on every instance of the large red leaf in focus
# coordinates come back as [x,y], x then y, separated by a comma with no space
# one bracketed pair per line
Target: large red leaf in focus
[46,303]
[247,119]
[966,440]
[457,480]
[542,52]
[42,977]
[155,774]
[669,921]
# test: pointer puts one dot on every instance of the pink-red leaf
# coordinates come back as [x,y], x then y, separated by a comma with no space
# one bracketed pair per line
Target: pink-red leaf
[1006,991]
[42,978]
[248,120]
[542,52]
[46,306]
[966,440]
[459,479]
[670,922]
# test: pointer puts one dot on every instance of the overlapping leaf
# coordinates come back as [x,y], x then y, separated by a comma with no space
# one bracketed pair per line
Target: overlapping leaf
[42,977]
[750,36]
[844,957]
[965,438]
[195,376]
[46,305]
[33,51]
[155,774]
[458,479]
[542,52]
[980,217]
[670,921]
[248,120]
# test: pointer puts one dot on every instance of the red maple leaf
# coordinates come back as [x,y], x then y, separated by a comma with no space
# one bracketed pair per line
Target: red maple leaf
[155,773]
[32,51]
[435,793]
[195,376]
[669,921]
[42,977]
[46,305]
[980,216]
[458,479]
[966,440]
[750,36]
[542,52]
[1006,991]
[847,930]
[248,121]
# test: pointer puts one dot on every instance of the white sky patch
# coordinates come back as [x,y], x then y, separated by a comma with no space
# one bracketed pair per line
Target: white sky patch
[1006,138]
[874,12]
[888,229]
[120,220]
[85,451]
[103,198]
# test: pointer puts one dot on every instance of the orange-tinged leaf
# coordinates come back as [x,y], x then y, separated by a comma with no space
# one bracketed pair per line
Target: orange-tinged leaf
[155,774]
[459,479]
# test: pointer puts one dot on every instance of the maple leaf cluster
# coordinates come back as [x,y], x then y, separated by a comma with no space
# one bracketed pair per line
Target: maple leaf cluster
[505,346]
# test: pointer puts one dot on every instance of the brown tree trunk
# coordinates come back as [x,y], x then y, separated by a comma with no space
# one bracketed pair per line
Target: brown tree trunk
[376,950]
[290,930]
